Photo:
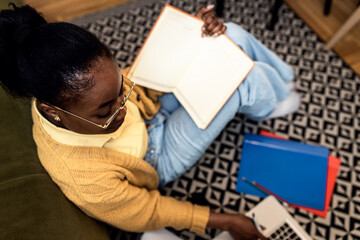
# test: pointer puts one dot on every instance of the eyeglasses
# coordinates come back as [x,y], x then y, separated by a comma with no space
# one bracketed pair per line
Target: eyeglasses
[109,121]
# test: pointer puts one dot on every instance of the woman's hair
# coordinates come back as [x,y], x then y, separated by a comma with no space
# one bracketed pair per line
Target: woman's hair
[48,61]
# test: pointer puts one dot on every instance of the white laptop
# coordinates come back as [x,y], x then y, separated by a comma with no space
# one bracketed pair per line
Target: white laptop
[278,223]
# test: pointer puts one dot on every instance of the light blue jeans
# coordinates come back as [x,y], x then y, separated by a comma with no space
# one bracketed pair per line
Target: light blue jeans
[176,143]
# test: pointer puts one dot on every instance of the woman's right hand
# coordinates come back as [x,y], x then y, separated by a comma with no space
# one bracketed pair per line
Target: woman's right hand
[212,26]
[238,225]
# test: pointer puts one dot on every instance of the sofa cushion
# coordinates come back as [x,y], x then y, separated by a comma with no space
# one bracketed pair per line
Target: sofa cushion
[32,206]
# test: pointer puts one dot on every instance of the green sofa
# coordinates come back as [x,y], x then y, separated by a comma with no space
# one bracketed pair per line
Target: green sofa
[31,205]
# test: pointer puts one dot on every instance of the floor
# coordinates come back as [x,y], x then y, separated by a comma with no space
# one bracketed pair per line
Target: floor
[62,10]
[311,11]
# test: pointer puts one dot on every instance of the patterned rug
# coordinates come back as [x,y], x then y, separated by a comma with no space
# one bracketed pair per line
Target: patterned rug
[329,114]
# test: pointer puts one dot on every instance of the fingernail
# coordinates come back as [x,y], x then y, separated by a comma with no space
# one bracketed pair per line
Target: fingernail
[203,28]
[211,6]
[216,34]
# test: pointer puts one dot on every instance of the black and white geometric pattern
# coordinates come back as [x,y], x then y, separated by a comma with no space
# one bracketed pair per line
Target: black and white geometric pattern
[329,114]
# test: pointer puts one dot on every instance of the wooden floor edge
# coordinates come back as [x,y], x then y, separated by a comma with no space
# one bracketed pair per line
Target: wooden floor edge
[354,66]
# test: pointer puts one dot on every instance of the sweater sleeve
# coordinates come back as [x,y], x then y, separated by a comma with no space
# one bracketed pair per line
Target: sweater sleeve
[136,209]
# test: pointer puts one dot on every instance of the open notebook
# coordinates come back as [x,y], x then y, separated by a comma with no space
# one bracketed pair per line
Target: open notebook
[202,72]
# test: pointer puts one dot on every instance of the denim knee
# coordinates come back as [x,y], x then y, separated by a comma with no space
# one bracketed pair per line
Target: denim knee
[239,36]
[257,96]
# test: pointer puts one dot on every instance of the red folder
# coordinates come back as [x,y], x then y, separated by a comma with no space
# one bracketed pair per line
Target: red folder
[333,168]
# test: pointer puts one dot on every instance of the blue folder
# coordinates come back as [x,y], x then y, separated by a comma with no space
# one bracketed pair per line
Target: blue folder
[294,171]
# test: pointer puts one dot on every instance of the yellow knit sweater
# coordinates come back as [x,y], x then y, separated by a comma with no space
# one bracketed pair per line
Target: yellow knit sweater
[114,187]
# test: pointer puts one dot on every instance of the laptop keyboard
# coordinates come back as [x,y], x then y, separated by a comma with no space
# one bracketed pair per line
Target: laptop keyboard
[284,232]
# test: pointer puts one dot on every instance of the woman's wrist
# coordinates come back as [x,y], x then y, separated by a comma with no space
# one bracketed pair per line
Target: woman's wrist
[238,225]
[219,221]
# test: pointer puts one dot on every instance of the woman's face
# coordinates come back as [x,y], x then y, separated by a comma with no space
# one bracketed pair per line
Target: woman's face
[99,103]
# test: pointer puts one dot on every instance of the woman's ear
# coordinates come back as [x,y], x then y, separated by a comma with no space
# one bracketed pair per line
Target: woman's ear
[49,111]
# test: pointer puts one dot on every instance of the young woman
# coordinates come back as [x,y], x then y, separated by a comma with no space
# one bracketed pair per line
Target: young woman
[109,144]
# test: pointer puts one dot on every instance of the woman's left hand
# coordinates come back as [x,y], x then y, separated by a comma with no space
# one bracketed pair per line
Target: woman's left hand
[213,26]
